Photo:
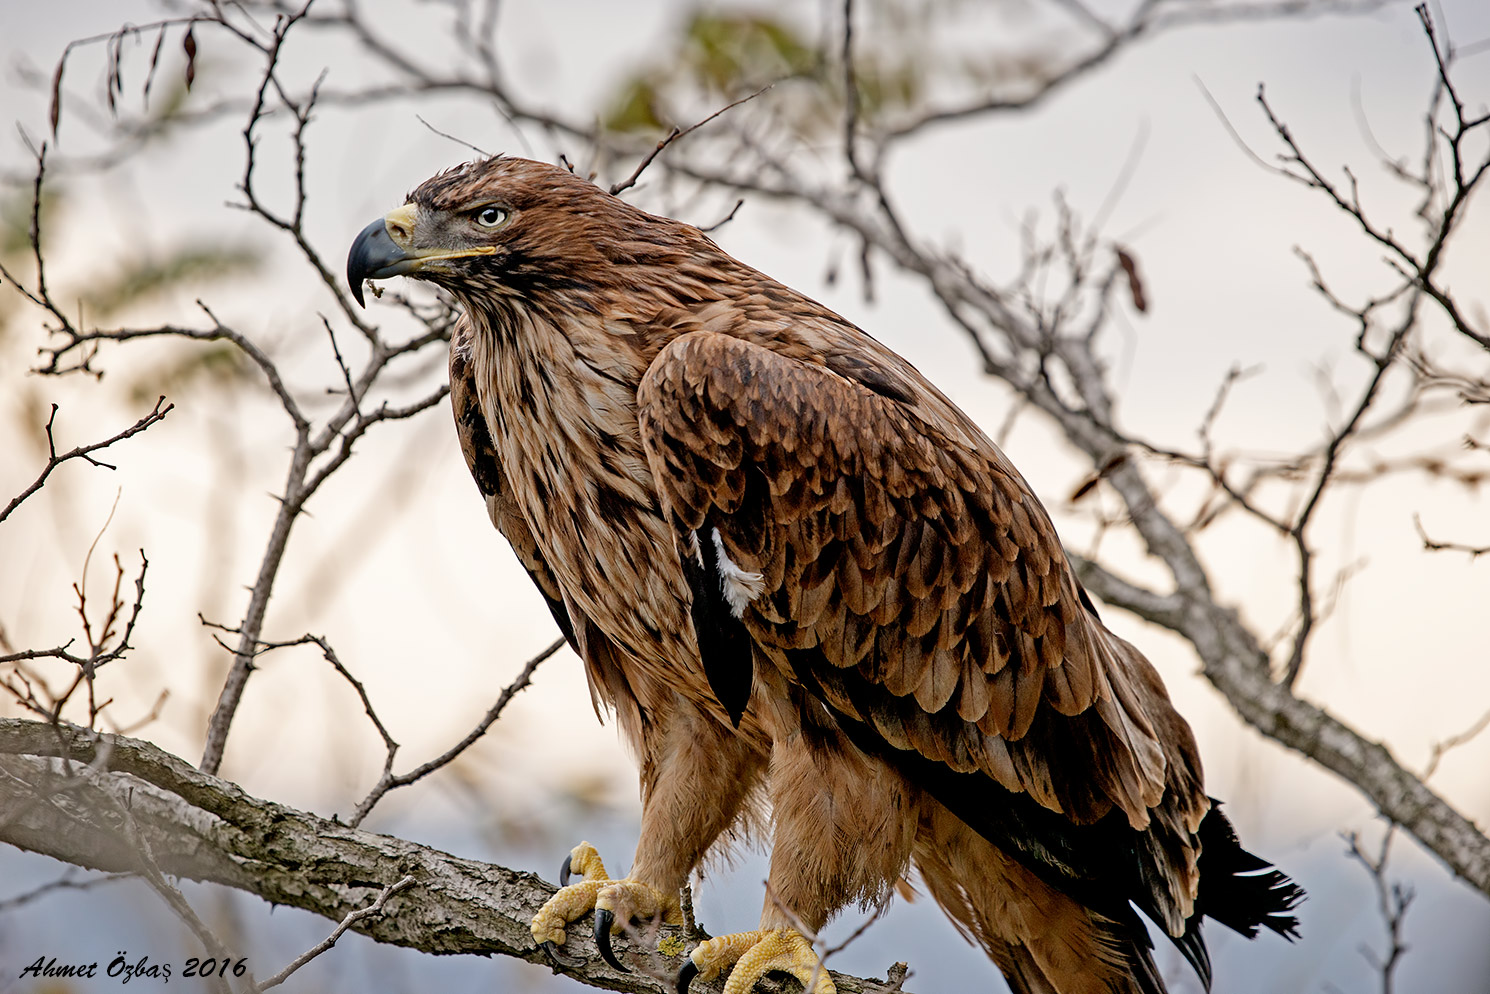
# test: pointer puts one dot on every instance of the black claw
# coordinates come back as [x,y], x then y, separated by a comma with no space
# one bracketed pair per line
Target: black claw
[566,870]
[686,975]
[559,959]
[603,921]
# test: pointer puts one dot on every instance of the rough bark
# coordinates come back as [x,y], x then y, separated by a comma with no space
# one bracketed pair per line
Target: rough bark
[79,810]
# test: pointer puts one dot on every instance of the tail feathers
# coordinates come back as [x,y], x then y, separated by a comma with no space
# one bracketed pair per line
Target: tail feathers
[1131,952]
[1043,930]
[1144,973]
[1021,972]
[1192,946]
[1044,941]
[1238,889]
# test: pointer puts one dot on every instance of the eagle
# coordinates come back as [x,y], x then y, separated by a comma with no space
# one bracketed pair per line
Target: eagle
[797,573]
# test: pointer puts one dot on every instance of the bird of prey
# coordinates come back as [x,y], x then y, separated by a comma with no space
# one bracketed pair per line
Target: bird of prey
[796,572]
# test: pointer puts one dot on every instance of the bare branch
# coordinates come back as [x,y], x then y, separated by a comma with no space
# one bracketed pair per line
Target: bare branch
[1434,545]
[68,881]
[84,452]
[149,871]
[1333,449]
[727,218]
[1443,748]
[1393,900]
[676,134]
[103,648]
[1148,18]
[850,95]
[389,781]
[375,908]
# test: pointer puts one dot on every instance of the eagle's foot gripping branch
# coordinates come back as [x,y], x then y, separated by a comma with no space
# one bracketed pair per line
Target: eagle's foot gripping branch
[755,954]
[615,902]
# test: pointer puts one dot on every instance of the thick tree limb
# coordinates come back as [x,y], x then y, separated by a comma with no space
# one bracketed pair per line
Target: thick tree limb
[204,828]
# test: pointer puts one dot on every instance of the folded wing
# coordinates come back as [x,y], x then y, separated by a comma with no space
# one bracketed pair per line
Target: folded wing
[910,580]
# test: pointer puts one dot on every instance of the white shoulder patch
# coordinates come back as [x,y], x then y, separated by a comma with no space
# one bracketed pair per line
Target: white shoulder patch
[738,586]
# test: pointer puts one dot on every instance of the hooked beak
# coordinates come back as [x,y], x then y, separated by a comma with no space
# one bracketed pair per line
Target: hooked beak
[386,249]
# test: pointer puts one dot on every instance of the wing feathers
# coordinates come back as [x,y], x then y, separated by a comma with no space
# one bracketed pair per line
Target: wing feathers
[912,578]
[974,691]
[938,681]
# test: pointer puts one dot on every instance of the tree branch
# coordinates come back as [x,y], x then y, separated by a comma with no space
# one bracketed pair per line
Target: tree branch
[84,451]
[203,828]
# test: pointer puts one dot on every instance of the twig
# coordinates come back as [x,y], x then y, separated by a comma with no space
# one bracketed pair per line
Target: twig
[869,919]
[389,781]
[1435,545]
[100,652]
[727,218]
[459,141]
[84,451]
[674,135]
[67,881]
[149,870]
[850,95]
[1393,900]
[1442,748]
[376,908]
[330,656]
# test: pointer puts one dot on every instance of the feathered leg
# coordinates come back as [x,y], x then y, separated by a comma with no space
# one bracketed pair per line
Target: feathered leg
[696,778]
[843,831]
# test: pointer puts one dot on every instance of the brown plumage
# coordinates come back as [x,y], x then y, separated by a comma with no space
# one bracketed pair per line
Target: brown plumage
[792,566]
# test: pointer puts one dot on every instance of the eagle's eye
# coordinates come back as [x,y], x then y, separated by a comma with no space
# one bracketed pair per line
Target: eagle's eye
[490,217]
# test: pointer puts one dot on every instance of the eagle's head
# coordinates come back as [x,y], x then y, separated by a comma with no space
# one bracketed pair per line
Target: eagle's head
[503,227]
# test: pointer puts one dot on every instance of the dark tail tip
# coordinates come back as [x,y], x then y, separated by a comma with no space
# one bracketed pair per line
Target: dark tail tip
[1240,890]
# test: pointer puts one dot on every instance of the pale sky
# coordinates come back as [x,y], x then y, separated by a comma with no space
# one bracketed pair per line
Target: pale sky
[399,568]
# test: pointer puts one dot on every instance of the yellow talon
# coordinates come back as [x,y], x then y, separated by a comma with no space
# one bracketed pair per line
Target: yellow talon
[573,900]
[755,954]
[628,899]
[621,901]
[584,860]
[615,903]
[564,907]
